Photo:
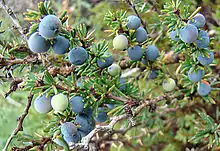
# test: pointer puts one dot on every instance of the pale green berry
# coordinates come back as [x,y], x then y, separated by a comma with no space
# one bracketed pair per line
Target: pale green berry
[169,84]
[59,102]
[120,42]
[114,69]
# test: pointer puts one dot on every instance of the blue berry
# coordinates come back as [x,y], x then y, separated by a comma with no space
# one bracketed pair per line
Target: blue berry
[195,76]
[198,20]
[38,44]
[133,22]
[78,56]
[174,36]
[153,74]
[61,45]
[73,138]
[206,60]
[42,104]
[102,115]
[50,26]
[123,84]
[203,42]
[141,35]
[85,123]
[189,34]
[105,61]
[68,129]
[203,88]
[120,42]
[203,33]
[151,53]
[77,104]
[135,53]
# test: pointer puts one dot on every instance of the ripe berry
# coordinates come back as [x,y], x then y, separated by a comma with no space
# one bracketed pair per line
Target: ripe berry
[105,61]
[50,26]
[203,88]
[73,138]
[169,84]
[141,34]
[120,42]
[189,33]
[195,76]
[38,44]
[203,33]
[174,35]
[68,129]
[153,74]
[102,115]
[123,84]
[198,20]
[77,104]
[203,42]
[114,69]
[135,53]
[206,60]
[59,102]
[85,123]
[133,22]
[78,56]
[42,104]
[151,52]
[61,45]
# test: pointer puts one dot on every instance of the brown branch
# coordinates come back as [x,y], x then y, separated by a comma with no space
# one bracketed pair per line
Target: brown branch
[20,122]
[14,86]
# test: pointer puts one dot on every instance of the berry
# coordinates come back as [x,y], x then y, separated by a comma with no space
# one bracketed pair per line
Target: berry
[203,39]
[73,138]
[151,53]
[153,74]
[68,129]
[123,84]
[120,42]
[203,88]
[169,84]
[102,115]
[133,22]
[105,61]
[135,53]
[61,45]
[195,76]
[50,26]
[114,69]
[78,56]
[198,20]
[85,123]
[42,104]
[77,104]
[87,111]
[82,134]
[206,60]
[38,44]
[189,33]
[203,33]
[59,102]
[174,36]
[141,34]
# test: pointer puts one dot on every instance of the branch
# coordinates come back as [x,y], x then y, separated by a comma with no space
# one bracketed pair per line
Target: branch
[20,122]
[14,19]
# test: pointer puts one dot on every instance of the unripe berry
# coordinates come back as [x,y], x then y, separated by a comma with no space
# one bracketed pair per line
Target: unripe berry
[120,42]
[204,88]
[78,56]
[77,104]
[169,84]
[174,36]
[105,61]
[133,22]
[135,53]
[195,76]
[42,104]
[38,44]
[198,20]
[50,26]
[206,60]
[114,69]
[151,53]
[189,34]
[141,35]
[68,129]
[61,45]
[59,102]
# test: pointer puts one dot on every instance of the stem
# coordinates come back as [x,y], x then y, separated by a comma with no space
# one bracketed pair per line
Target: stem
[195,12]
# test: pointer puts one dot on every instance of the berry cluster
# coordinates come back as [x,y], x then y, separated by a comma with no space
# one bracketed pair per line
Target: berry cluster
[193,33]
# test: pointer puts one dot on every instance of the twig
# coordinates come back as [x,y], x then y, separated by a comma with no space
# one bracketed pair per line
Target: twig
[20,122]
[14,19]
[14,86]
